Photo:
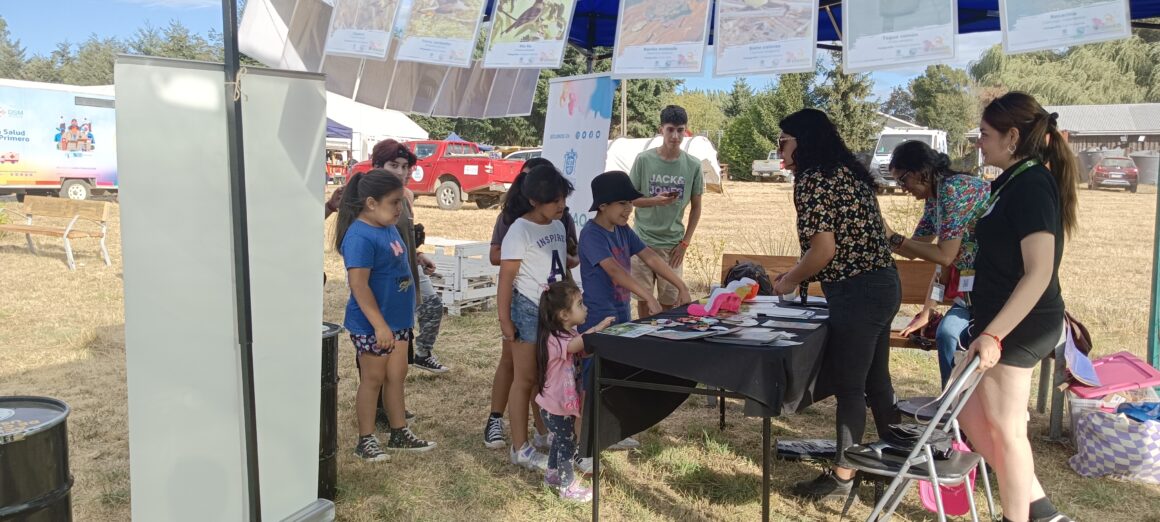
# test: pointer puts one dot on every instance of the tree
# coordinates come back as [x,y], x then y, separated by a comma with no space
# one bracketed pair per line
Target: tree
[11,54]
[943,100]
[846,98]
[93,62]
[705,116]
[176,41]
[752,135]
[899,104]
[741,145]
[738,98]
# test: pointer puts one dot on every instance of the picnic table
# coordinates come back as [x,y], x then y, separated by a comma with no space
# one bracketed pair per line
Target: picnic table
[638,382]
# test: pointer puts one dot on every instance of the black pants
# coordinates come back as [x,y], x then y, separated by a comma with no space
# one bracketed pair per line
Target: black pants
[857,359]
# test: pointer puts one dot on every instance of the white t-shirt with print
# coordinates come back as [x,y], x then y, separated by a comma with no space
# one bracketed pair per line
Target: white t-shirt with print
[542,251]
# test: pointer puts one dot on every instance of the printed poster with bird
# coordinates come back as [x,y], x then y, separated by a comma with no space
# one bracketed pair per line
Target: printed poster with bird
[765,36]
[660,38]
[892,33]
[441,32]
[1034,25]
[361,28]
[529,33]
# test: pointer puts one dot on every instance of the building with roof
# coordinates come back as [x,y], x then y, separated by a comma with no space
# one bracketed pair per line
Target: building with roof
[1131,127]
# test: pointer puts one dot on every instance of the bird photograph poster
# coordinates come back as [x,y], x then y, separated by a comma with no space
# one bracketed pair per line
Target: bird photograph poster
[661,37]
[441,32]
[529,33]
[765,36]
[361,28]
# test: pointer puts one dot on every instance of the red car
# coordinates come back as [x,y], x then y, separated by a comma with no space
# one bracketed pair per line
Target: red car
[456,171]
[1114,172]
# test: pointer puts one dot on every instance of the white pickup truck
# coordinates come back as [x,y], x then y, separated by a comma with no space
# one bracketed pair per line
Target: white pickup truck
[888,139]
[771,168]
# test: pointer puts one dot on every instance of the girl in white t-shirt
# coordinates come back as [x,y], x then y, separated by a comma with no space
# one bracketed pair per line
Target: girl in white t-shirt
[534,255]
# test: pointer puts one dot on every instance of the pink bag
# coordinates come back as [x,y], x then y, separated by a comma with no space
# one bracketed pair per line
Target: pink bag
[956,499]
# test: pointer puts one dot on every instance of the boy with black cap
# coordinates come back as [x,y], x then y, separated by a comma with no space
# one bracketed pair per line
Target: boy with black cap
[607,245]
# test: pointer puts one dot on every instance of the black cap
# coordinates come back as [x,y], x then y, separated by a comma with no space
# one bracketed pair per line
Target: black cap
[612,186]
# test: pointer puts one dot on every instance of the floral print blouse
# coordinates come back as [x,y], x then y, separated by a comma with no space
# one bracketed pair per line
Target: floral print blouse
[948,214]
[834,200]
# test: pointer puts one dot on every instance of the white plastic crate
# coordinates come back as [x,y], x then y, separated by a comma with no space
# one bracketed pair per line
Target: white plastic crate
[465,276]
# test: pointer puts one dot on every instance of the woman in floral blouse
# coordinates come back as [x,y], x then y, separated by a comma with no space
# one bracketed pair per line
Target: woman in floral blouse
[844,247]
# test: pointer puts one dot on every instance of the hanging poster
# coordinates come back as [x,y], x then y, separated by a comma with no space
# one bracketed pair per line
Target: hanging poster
[890,33]
[576,125]
[660,38]
[1033,25]
[361,28]
[765,36]
[529,33]
[441,32]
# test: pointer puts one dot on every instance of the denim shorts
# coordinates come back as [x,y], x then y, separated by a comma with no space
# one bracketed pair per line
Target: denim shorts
[525,317]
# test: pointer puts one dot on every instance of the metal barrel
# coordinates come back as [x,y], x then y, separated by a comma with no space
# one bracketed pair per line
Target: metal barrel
[35,483]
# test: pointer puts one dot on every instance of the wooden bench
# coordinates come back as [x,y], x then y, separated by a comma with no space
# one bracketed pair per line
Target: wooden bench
[915,277]
[37,209]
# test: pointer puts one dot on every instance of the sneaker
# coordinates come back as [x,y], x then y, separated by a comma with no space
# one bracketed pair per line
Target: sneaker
[552,478]
[383,423]
[369,451]
[528,457]
[430,363]
[542,442]
[493,433]
[826,486]
[404,440]
[628,443]
[576,492]
[1057,517]
[583,466]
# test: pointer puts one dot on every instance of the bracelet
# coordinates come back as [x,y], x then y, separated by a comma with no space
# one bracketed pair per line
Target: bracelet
[683,243]
[896,241]
[995,337]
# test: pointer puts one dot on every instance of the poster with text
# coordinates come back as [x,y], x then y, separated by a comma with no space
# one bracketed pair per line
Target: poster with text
[1033,25]
[765,36]
[660,38]
[361,28]
[529,34]
[441,32]
[576,125]
[892,33]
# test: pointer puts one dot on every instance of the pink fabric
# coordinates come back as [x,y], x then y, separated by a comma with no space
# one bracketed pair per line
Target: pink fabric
[559,396]
[728,302]
[956,499]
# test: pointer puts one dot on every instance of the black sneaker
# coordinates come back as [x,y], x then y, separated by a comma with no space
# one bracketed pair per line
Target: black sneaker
[493,433]
[430,363]
[369,451]
[1056,517]
[404,440]
[826,486]
[383,423]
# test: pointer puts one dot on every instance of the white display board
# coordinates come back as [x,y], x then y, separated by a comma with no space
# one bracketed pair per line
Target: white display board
[361,28]
[883,34]
[182,353]
[1034,25]
[576,125]
[529,33]
[440,32]
[660,38]
[778,37]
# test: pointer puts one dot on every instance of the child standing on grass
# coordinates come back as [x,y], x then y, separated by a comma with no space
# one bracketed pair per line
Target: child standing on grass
[533,256]
[558,346]
[380,314]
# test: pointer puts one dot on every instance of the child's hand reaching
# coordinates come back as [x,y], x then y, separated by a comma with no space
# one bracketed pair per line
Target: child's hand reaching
[602,325]
[654,306]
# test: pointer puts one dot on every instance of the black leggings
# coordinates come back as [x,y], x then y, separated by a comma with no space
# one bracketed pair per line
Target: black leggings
[857,359]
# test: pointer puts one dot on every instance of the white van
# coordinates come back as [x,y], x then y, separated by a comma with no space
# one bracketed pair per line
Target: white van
[888,139]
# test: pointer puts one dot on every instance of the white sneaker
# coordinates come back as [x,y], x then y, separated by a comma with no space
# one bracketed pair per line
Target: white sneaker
[542,442]
[628,443]
[528,457]
[583,466]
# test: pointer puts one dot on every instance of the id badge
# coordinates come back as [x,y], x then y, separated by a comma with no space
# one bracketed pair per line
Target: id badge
[966,281]
[937,292]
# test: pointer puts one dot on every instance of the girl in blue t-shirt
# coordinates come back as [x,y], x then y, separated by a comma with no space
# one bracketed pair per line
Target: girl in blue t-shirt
[380,314]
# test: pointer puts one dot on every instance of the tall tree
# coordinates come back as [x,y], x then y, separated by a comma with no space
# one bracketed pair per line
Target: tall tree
[846,98]
[738,98]
[11,54]
[943,100]
[93,62]
[899,104]
[752,135]
[176,41]
[705,116]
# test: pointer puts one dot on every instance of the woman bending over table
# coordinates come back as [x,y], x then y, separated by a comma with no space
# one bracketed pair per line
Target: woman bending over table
[1016,303]
[844,247]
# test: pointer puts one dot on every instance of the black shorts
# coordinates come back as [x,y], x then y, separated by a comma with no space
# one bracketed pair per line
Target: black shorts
[1029,343]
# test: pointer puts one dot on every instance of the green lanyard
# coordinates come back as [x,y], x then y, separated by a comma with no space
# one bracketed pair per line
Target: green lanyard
[982,210]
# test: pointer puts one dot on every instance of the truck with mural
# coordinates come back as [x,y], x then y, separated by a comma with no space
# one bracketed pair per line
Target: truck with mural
[56,141]
[455,172]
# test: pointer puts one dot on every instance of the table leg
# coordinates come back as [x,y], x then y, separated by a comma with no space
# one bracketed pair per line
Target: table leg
[594,437]
[721,402]
[765,436]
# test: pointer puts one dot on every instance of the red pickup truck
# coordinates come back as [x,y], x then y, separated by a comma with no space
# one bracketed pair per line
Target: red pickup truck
[456,171]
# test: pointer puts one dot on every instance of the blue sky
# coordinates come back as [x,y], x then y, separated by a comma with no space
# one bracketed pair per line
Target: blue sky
[39,28]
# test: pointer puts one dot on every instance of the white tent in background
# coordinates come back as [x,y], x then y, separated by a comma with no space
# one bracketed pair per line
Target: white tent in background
[623,151]
[371,124]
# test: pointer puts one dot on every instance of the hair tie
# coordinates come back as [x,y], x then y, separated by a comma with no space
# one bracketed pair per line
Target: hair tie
[1053,118]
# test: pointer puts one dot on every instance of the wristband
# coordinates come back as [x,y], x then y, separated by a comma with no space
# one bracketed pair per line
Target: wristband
[995,337]
[683,243]
[895,241]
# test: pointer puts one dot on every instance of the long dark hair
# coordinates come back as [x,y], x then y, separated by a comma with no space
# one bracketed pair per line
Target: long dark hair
[1039,138]
[930,165]
[374,184]
[558,298]
[514,193]
[819,146]
[541,184]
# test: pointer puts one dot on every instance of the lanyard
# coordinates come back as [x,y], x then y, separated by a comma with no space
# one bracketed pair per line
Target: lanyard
[981,210]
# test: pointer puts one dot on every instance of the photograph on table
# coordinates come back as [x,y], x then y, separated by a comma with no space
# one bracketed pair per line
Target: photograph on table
[529,33]
[661,37]
[362,28]
[765,36]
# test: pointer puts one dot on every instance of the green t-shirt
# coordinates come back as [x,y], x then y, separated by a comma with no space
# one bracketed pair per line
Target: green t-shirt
[664,227]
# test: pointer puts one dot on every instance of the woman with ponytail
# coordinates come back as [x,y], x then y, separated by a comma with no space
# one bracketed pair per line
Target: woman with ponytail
[943,236]
[1016,301]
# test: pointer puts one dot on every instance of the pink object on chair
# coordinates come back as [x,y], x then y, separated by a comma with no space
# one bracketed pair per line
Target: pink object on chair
[956,499]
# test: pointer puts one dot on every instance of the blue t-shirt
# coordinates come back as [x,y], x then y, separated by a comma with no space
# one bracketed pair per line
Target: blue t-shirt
[602,296]
[382,250]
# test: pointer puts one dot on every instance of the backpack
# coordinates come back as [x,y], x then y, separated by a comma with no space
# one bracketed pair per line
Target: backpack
[753,271]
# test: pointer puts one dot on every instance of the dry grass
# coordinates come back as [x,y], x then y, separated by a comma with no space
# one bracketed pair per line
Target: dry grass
[63,337]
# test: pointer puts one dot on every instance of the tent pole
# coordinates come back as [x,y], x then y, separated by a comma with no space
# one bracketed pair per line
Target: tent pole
[1154,316]
[241,250]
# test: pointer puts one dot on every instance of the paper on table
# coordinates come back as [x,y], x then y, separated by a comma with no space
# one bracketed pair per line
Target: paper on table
[784,313]
[630,330]
[685,335]
[785,344]
[791,324]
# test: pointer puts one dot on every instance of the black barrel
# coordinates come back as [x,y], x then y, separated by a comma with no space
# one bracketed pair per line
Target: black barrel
[35,483]
[328,410]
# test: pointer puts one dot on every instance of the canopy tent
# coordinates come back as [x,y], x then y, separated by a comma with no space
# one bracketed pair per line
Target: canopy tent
[623,151]
[337,130]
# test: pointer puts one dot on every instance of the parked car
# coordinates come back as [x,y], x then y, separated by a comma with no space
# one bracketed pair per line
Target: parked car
[525,155]
[1114,172]
[455,172]
[771,168]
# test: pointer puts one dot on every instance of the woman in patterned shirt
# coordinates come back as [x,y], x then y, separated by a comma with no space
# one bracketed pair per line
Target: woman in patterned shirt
[944,236]
[844,247]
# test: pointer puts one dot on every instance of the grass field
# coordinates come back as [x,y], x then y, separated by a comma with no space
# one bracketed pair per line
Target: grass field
[63,337]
